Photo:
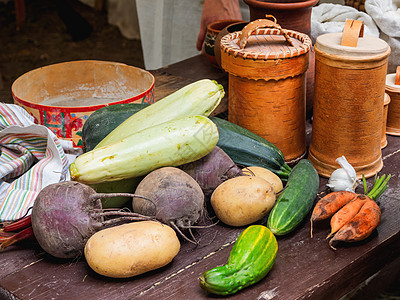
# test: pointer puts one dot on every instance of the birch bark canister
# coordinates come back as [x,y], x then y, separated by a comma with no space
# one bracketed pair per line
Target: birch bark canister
[393,90]
[349,89]
[386,102]
[266,66]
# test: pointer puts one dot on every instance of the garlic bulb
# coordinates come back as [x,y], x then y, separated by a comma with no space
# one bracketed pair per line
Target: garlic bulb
[343,179]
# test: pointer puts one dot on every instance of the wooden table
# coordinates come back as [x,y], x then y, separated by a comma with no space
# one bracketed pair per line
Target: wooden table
[305,268]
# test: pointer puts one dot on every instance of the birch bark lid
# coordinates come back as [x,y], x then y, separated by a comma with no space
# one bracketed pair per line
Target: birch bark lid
[368,47]
[390,83]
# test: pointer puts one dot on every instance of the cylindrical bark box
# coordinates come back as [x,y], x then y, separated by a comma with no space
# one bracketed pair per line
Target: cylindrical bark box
[266,67]
[348,103]
[385,114]
[393,117]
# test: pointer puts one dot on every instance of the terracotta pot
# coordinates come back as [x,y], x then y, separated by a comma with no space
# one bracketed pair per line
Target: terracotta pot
[228,29]
[348,106]
[294,15]
[213,29]
[267,84]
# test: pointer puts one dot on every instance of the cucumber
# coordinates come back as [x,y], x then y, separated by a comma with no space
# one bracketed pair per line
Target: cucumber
[104,120]
[171,144]
[251,258]
[198,98]
[249,149]
[296,200]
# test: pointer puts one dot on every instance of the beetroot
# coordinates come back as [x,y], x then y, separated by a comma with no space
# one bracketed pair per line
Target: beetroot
[212,170]
[176,198]
[66,214]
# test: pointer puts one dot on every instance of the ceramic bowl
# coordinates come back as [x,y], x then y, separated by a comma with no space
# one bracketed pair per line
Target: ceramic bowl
[238,26]
[62,96]
[211,35]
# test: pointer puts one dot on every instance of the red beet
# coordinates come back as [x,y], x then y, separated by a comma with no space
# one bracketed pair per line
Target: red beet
[66,214]
[212,170]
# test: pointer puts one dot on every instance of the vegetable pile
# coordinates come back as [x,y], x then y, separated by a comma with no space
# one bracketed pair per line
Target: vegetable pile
[151,174]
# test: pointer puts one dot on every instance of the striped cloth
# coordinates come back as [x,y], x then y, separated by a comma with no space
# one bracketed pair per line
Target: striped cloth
[32,157]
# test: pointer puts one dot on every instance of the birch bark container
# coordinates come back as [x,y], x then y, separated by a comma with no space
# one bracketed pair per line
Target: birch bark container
[266,66]
[348,101]
[393,90]
[384,125]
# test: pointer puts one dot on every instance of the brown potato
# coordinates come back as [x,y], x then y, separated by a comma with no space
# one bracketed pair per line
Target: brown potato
[268,175]
[243,200]
[131,249]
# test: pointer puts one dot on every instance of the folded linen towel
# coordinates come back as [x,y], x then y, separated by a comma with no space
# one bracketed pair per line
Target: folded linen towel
[32,157]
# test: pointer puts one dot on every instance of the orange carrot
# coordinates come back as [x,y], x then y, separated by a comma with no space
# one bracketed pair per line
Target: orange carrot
[346,213]
[360,226]
[330,204]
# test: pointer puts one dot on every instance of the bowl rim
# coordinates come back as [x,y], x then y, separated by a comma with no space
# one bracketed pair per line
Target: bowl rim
[39,106]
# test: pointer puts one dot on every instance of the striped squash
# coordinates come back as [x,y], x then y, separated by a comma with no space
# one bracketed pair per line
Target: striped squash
[250,260]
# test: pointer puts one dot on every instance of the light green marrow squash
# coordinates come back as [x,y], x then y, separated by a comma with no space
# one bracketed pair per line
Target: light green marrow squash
[198,98]
[171,144]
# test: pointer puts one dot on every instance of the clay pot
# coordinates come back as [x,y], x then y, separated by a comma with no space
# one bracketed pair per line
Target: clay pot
[213,29]
[228,29]
[294,15]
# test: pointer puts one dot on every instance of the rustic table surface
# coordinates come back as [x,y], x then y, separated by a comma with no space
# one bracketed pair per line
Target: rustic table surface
[305,267]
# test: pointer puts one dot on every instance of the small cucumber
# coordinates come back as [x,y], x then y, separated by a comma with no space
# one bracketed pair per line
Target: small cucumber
[296,200]
[251,258]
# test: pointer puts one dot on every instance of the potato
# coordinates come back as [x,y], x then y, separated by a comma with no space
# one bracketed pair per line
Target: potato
[131,249]
[268,175]
[243,200]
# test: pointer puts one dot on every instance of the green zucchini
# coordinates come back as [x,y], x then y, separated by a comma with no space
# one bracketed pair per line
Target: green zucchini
[251,258]
[249,149]
[198,98]
[171,143]
[296,200]
[104,120]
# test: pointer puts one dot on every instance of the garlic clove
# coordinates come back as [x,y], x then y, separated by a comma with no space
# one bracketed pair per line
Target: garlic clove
[344,178]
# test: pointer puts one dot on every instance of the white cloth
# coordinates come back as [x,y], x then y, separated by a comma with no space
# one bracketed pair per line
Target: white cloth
[327,18]
[32,157]
[386,14]
[169,29]
[123,14]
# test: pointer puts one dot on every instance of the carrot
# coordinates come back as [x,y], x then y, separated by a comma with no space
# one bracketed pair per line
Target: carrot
[330,204]
[344,205]
[346,213]
[360,226]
